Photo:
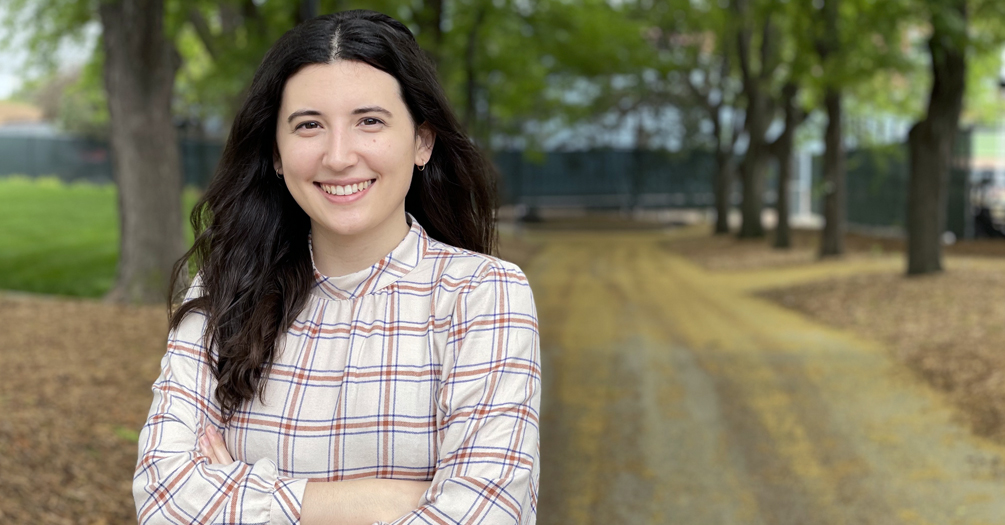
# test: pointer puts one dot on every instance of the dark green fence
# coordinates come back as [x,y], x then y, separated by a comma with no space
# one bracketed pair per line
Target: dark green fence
[877,184]
[80,159]
[607,179]
[596,179]
[876,178]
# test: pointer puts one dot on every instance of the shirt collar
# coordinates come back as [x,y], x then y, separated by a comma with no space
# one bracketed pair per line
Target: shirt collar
[402,259]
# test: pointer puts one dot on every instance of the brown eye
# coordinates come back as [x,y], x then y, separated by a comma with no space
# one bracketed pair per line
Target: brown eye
[308,125]
[370,121]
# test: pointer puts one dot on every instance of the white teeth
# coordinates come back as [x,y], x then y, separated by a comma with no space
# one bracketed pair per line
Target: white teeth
[345,190]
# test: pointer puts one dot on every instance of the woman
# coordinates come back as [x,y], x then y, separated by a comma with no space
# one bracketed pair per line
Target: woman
[346,354]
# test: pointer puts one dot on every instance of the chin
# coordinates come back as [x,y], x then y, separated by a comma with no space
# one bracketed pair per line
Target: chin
[346,228]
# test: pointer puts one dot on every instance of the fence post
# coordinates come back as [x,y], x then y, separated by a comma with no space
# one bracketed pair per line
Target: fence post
[32,169]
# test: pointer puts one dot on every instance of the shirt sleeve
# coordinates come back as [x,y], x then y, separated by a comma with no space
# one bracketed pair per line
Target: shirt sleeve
[487,467]
[174,483]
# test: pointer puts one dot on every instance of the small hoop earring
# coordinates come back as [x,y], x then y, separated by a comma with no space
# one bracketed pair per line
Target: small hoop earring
[279,175]
[422,167]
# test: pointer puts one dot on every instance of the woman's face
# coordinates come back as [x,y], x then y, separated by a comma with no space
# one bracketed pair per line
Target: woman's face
[346,149]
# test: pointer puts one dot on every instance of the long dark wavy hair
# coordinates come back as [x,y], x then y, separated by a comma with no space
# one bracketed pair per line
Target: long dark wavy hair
[251,252]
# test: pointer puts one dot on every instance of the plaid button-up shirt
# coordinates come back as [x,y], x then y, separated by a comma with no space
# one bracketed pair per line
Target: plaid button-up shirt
[425,366]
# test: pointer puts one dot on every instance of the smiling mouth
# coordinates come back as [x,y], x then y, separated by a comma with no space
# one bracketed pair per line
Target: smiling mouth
[348,189]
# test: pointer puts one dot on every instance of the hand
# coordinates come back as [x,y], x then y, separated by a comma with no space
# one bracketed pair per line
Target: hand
[212,446]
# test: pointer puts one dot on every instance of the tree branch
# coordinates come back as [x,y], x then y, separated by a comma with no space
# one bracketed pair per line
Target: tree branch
[743,47]
[767,54]
[794,117]
[700,97]
[203,32]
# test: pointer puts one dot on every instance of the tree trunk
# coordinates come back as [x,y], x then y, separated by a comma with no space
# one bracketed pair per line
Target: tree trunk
[140,65]
[931,146]
[758,117]
[755,163]
[755,167]
[783,232]
[723,188]
[782,149]
[835,194]
[430,21]
[725,165]
[471,73]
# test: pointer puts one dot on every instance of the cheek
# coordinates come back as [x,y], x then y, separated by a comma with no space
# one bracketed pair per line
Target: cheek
[301,157]
[385,153]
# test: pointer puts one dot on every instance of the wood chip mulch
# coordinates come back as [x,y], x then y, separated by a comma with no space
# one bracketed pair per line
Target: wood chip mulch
[949,328]
[74,394]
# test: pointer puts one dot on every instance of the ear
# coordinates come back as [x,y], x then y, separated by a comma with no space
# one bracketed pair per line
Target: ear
[277,163]
[424,139]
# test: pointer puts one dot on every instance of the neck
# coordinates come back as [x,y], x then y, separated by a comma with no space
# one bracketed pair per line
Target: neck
[336,255]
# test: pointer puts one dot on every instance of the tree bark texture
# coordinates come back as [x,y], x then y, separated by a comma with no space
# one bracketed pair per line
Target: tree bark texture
[758,117]
[753,196]
[828,44]
[931,149]
[782,149]
[725,167]
[755,166]
[724,161]
[835,192]
[140,65]
[783,231]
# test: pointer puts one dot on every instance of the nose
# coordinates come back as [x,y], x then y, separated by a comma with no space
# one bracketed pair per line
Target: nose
[341,153]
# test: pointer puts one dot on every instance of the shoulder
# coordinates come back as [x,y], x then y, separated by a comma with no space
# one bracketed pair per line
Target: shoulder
[468,268]
[474,284]
[190,330]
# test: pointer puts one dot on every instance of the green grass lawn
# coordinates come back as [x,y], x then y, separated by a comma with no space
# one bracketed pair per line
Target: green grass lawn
[58,238]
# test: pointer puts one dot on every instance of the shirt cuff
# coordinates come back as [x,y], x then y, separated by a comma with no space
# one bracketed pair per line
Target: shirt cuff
[287,500]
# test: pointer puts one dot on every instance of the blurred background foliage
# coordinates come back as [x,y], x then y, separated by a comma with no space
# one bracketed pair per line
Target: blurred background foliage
[504,64]
[517,71]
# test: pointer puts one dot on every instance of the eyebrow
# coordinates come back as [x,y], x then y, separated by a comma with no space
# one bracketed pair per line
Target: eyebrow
[357,111]
[303,113]
[371,109]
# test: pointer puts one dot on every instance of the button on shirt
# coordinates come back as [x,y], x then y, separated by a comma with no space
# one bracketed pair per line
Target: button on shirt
[424,366]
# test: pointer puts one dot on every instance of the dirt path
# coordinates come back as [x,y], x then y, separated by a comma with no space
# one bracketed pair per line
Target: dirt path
[672,395]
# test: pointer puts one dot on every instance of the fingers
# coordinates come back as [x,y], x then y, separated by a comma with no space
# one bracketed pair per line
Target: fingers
[206,449]
[212,446]
[219,447]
